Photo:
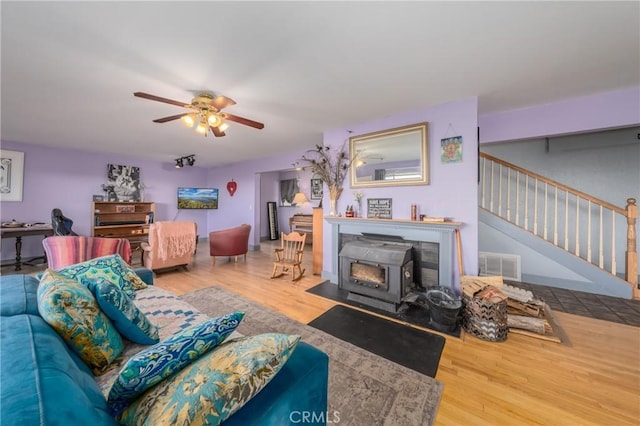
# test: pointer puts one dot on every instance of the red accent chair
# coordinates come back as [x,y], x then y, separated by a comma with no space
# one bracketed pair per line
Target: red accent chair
[63,251]
[230,242]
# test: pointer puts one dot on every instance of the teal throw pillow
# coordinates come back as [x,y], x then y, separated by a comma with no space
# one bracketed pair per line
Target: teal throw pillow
[215,386]
[73,312]
[111,268]
[149,367]
[125,315]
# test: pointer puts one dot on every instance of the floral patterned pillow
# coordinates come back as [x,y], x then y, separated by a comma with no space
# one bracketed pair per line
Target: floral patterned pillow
[229,377]
[72,311]
[111,268]
[149,367]
[124,314]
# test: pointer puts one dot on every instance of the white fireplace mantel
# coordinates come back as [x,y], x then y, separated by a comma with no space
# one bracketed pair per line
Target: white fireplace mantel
[442,233]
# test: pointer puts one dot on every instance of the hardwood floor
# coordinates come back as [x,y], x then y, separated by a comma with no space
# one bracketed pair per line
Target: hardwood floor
[594,379]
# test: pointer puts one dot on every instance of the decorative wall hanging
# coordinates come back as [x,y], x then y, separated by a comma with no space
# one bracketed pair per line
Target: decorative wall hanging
[11,175]
[451,150]
[232,186]
[125,181]
[451,147]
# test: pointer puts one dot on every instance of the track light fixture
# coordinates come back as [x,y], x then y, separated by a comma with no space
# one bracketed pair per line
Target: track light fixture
[190,159]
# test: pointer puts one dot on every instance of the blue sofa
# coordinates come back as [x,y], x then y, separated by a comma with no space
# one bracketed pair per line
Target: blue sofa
[43,382]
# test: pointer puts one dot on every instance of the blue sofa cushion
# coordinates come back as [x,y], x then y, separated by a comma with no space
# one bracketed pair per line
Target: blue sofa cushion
[230,375]
[41,382]
[147,368]
[111,268]
[18,294]
[302,394]
[145,275]
[125,315]
[73,312]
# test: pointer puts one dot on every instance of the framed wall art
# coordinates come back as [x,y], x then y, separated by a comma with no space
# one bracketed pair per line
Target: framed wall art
[11,175]
[316,189]
[451,150]
[125,181]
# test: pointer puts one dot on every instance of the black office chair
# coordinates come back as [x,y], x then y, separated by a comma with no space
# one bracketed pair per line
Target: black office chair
[61,224]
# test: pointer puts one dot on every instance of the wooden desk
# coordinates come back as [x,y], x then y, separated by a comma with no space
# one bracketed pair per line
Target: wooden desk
[18,233]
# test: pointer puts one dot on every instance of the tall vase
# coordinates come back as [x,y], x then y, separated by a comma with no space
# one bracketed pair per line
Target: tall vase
[334,194]
[333,203]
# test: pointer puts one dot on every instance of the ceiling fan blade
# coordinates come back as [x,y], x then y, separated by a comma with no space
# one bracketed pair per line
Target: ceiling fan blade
[222,102]
[244,121]
[170,118]
[217,131]
[159,99]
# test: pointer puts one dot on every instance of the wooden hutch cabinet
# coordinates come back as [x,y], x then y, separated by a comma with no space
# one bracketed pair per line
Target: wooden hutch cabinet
[122,219]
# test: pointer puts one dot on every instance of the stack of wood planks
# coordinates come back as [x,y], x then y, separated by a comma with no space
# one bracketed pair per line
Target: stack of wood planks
[526,314]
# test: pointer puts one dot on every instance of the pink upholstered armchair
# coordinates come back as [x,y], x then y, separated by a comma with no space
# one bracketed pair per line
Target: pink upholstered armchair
[63,251]
[171,244]
[230,242]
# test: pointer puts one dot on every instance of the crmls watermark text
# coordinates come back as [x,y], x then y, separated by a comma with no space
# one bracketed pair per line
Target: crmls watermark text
[311,417]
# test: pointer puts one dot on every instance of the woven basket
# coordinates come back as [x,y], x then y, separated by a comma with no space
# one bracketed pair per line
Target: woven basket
[485,319]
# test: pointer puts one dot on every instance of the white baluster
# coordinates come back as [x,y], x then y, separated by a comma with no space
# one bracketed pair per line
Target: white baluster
[517,198]
[589,231]
[577,226]
[613,243]
[566,222]
[601,248]
[555,218]
[546,195]
[500,191]
[535,208]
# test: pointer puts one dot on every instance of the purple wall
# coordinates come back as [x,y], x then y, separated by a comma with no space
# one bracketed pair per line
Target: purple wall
[67,179]
[246,206]
[453,189]
[620,108]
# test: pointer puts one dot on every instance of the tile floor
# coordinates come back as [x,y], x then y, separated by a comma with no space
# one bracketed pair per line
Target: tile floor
[623,311]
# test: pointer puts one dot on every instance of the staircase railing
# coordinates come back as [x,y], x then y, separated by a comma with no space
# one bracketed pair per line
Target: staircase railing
[570,219]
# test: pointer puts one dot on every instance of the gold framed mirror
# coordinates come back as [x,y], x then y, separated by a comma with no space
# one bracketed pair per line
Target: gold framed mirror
[391,157]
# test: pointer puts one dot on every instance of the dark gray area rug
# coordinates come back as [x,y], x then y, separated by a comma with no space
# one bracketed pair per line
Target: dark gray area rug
[413,348]
[364,388]
[409,313]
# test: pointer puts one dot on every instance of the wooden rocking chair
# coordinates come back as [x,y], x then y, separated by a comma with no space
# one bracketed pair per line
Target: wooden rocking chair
[289,255]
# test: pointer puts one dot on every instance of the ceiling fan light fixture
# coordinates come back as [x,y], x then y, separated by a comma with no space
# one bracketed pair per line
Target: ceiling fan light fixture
[213,119]
[202,127]
[223,126]
[188,120]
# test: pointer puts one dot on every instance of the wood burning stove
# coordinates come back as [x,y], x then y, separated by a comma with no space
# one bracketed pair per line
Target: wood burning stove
[377,273]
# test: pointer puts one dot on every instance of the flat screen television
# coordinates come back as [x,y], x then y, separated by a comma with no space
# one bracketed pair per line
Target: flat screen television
[197,198]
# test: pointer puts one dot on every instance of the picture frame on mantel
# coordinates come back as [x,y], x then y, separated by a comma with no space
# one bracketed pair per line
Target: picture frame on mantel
[379,208]
[11,175]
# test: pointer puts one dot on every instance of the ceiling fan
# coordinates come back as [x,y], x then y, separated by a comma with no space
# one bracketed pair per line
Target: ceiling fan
[206,113]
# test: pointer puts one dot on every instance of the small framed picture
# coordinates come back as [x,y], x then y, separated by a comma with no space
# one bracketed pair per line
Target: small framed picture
[316,189]
[98,198]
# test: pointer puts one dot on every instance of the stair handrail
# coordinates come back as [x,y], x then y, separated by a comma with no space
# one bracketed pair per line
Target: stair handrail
[630,212]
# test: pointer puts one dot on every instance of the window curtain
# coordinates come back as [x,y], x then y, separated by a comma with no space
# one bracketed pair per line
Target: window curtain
[288,190]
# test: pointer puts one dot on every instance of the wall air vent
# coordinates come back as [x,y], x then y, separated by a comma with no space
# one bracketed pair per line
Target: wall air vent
[505,265]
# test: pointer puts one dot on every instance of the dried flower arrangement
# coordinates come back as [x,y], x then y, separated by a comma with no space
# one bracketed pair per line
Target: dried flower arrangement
[329,167]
